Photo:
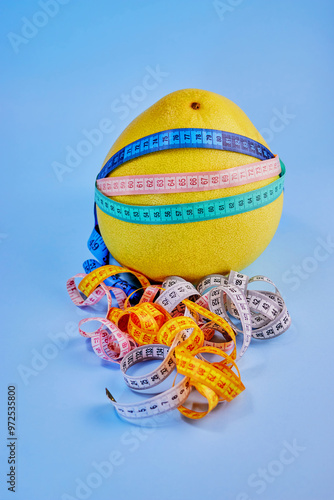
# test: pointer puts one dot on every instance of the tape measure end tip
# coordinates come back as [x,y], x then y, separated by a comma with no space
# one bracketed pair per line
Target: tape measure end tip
[110,396]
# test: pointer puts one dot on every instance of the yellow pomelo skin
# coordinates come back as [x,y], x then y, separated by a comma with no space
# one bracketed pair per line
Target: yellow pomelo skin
[191,250]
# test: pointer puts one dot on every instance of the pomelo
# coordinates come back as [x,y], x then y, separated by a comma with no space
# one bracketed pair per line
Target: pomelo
[195,249]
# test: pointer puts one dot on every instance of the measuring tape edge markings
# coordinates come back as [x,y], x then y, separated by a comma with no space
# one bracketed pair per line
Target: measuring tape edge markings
[116,208]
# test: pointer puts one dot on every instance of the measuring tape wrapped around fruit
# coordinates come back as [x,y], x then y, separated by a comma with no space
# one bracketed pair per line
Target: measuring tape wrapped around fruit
[175,323]
[191,169]
[191,189]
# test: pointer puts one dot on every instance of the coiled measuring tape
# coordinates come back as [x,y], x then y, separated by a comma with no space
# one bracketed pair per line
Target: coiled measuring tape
[181,335]
[115,282]
[191,212]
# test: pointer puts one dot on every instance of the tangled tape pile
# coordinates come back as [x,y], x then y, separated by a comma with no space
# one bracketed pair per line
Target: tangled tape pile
[175,323]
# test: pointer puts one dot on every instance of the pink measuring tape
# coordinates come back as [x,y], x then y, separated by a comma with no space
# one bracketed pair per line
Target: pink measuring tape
[189,181]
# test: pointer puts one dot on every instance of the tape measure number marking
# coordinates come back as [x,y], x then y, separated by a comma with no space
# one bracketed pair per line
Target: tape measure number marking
[186,138]
[189,181]
[191,212]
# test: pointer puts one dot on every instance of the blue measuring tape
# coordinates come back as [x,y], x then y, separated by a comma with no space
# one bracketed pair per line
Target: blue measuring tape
[187,212]
[186,138]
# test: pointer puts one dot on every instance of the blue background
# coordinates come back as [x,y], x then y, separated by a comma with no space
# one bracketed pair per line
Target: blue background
[268,57]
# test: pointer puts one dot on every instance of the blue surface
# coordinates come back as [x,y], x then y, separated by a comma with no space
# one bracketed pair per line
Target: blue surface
[274,59]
